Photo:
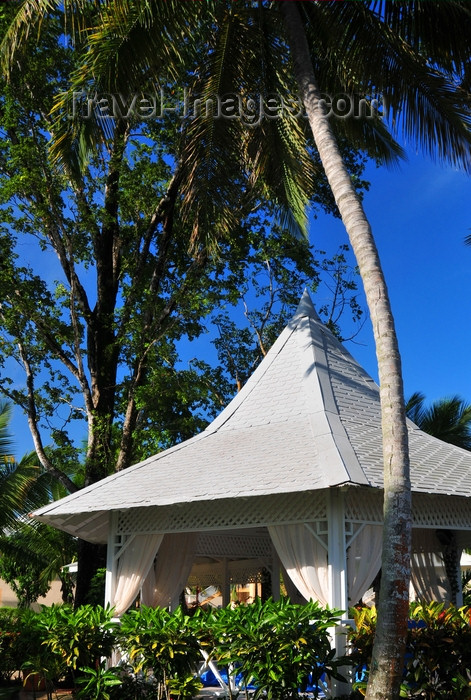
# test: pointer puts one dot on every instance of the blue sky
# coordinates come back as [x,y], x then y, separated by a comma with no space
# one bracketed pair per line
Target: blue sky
[420,216]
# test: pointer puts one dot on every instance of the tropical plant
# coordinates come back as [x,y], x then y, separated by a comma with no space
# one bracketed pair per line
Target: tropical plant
[165,646]
[447,419]
[278,648]
[11,652]
[96,683]
[438,658]
[23,486]
[78,638]
[32,555]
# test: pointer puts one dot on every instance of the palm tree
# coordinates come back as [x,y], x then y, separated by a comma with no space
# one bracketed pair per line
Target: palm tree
[447,419]
[389,48]
[24,486]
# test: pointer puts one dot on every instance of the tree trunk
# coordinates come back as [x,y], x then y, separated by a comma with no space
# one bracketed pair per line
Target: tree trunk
[389,645]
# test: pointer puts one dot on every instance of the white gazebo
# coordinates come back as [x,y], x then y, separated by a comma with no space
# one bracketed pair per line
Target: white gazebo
[289,474]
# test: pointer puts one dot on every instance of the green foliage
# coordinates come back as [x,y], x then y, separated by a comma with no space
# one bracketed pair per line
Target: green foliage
[165,645]
[97,682]
[23,578]
[22,648]
[31,556]
[106,287]
[79,638]
[448,419]
[278,646]
[11,643]
[438,656]
[123,294]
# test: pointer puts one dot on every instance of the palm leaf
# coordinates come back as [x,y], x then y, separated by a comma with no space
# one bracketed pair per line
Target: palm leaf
[447,419]
[369,58]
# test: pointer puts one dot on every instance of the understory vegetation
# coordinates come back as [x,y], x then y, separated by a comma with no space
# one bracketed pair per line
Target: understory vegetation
[275,650]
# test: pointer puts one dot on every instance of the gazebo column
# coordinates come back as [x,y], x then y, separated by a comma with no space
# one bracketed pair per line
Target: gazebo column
[337,573]
[111,560]
[337,556]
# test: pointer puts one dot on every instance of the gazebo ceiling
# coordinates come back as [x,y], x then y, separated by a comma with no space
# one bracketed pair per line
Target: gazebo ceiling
[308,419]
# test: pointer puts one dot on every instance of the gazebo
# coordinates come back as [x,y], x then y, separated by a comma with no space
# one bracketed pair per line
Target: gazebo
[288,476]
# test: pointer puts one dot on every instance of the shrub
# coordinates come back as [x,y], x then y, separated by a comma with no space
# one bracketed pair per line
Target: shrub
[163,646]
[278,647]
[438,656]
[78,638]
[11,642]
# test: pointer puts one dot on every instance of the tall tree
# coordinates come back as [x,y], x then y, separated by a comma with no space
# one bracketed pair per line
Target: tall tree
[101,284]
[359,49]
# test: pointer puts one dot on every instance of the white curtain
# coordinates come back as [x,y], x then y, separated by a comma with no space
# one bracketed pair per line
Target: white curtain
[167,578]
[363,561]
[133,566]
[293,594]
[305,559]
[428,574]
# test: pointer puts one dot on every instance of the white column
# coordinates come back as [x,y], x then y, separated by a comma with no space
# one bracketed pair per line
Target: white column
[111,560]
[337,573]
[337,556]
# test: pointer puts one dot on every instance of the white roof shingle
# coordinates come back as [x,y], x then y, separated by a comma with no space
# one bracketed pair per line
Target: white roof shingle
[307,419]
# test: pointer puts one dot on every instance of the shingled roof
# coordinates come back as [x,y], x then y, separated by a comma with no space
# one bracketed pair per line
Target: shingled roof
[307,419]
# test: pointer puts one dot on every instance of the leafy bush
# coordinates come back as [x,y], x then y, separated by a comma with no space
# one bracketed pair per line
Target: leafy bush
[79,638]
[22,649]
[164,646]
[10,642]
[278,647]
[438,656]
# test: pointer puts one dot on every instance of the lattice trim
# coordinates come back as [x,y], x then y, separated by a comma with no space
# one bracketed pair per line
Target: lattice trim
[434,511]
[428,510]
[225,514]
[234,545]
[361,506]
[364,505]
[212,574]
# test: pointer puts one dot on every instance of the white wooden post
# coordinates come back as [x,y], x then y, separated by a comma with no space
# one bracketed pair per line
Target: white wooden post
[337,573]
[111,561]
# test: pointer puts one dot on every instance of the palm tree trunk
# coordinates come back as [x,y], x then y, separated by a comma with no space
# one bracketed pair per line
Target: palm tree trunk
[389,644]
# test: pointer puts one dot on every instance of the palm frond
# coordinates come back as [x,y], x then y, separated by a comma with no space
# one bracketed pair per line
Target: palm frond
[214,173]
[29,18]
[421,101]
[23,486]
[439,30]
[5,437]
[415,408]
[447,419]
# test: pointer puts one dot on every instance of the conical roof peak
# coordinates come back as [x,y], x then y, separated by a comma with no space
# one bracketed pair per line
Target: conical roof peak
[308,418]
